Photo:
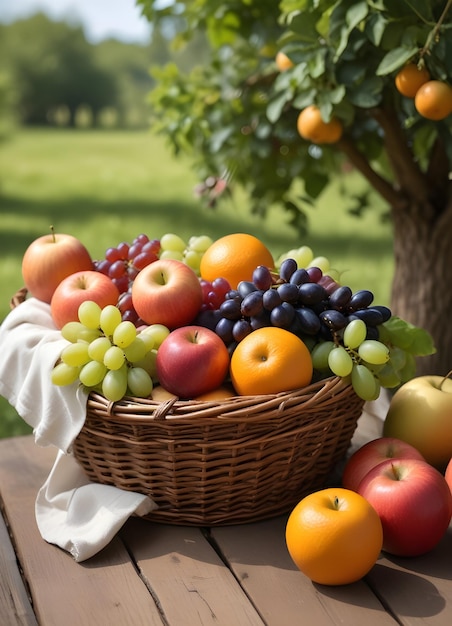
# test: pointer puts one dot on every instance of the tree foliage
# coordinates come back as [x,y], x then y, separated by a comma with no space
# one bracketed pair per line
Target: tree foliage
[238,113]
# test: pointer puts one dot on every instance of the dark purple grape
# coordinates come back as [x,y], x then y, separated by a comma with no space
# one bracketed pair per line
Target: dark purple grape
[340,298]
[315,274]
[329,283]
[224,330]
[299,277]
[262,277]
[360,300]
[308,320]
[270,299]
[208,318]
[287,268]
[333,319]
[241,329]
[372,333]
[245,287]
[371,316]
[282,315]
[311,293]
[233,294]
[288,292]
[230,309]
[385,312]
[252,303]
[260,321]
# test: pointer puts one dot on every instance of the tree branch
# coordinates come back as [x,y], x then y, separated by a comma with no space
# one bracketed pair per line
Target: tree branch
[380,184]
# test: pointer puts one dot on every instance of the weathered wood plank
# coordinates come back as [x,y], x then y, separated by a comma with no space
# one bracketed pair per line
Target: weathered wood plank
[100,591]
[258,555]
[191,583]
[417,590]
[15,607]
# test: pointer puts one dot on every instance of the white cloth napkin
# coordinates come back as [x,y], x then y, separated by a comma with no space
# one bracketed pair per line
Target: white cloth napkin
[79,516]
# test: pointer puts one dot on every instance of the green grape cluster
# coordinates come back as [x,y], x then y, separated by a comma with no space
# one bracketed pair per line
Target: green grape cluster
[107,353]
[189,252]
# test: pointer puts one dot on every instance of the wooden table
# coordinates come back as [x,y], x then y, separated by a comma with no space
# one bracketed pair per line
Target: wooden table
[154,574]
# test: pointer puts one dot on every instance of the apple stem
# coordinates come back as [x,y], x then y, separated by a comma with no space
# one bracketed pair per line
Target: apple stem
[445,377]
[52,230]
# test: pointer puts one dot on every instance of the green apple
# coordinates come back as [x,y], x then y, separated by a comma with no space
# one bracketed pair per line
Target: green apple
[420,413]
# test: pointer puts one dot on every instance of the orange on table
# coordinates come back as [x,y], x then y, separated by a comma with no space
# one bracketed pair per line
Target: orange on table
[334,536]
[410,78]
[235,257]
[311,126]
[270,360]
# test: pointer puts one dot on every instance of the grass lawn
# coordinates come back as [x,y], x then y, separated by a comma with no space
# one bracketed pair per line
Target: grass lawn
[107,187]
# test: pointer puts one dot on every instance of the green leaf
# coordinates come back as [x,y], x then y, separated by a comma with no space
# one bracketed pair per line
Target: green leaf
[276,106]
[395,59]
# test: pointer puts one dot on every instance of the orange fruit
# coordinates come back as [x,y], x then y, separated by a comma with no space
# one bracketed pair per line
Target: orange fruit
[270,360]
[283,62]
[234,257]
[410,78]
[311,126]
[433,100]
[334,536]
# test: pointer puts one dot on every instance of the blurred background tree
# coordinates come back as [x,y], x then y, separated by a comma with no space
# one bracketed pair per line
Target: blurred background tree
[239,116]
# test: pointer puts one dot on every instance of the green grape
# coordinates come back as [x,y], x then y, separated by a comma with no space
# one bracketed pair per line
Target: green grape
[124,334]
[388,376]
[364,383]
[92,373]
[340,362]
[175,255]
[114,384]
[172,242]
[158,332]
[139,382]
[354,333]
[373,352]
[110,317]
[193,259]
[75,354]
[149,363]
[408,371]
[63,374]
[136,350]
[322,262]
[397,357]
[303,256]
[98,348]
[114,358]
[89,334]
[89,314]
[200,243]
[71,331]
[320,353]
[147,339]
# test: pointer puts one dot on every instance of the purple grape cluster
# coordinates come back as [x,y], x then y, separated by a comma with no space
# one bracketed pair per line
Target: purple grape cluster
[304,301]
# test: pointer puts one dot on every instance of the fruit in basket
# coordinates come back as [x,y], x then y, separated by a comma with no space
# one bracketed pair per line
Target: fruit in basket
[77,288]
[371,454]
[270,360]
[420,413]
[413,501]
[167,292]
[235,257]
[334,536]
[192,360]
[49,259]
[448,474]
[219,393]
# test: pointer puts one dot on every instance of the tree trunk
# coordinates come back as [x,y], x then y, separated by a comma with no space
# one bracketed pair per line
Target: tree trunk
[422,282]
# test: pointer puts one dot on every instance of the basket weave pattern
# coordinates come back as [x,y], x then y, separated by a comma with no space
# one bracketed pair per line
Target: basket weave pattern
[205,463]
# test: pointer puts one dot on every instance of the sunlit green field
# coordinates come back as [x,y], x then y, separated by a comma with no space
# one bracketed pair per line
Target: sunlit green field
[107,187]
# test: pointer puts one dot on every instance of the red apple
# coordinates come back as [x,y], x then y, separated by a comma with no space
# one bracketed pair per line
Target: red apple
[448,475]
[191,361]
[75,289]
[49,259]
[167,292]
[371,454]
[420,413]
[413,501]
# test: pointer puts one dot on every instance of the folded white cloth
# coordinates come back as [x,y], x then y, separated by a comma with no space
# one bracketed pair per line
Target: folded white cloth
[79,516]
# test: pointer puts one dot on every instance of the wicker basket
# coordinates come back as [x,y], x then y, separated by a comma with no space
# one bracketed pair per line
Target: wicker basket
[232,461]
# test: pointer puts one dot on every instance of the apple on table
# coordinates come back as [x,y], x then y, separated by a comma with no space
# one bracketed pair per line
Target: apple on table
[413,501]
[420,413]
[51,258]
